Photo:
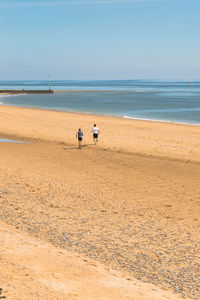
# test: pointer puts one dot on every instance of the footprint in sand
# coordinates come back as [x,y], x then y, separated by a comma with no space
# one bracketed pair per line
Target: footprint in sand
[2,297]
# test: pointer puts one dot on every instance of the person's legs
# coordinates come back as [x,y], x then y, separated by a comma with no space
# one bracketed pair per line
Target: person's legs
[79,143]
[94,139]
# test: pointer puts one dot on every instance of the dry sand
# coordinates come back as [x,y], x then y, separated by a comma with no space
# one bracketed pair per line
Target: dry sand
[32,269]
[123,215]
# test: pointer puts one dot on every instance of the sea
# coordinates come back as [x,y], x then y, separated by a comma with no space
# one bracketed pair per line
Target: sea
[155,100]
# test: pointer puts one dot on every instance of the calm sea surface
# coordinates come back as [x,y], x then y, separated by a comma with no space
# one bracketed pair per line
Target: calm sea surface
[172,101]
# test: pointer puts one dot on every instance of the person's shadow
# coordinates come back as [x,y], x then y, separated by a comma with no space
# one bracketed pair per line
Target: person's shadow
[76,147]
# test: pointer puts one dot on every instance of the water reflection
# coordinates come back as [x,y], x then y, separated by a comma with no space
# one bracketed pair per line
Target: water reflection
[12,141]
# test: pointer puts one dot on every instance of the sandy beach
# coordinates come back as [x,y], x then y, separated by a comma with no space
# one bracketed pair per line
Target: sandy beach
[119,220]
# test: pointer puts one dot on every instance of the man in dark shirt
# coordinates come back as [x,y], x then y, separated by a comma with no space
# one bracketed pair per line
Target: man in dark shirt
[79,135]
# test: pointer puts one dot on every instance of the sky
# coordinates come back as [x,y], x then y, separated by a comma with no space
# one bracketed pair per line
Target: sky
[99,39]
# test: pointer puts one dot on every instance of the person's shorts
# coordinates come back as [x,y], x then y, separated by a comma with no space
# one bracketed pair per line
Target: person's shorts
[80,139]
[95,135]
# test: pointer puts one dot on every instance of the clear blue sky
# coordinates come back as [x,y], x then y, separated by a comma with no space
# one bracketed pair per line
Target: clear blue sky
[99,39]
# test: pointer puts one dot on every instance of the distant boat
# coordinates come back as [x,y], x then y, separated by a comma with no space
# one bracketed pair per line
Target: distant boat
[190,79]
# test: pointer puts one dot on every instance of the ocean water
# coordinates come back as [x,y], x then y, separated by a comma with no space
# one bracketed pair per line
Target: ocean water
[169,101]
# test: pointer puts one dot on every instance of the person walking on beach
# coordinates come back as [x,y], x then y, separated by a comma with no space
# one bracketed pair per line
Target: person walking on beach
[95,131]
[79,135]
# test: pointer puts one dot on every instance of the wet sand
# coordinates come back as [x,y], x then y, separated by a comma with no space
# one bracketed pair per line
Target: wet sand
[130,204]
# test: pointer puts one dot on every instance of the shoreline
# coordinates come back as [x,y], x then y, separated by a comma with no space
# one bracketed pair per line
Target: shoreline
[100,114]
[157,138]
[104,115]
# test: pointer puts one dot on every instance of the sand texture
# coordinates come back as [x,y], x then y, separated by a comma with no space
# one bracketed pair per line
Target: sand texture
[36,270]
[127,208]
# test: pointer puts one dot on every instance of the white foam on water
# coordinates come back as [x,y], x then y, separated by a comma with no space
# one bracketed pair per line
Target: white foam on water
[158,120]
[4,96]
[14,95]
[127,117]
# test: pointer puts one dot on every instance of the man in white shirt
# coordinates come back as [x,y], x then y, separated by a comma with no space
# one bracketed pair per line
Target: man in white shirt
[95,131]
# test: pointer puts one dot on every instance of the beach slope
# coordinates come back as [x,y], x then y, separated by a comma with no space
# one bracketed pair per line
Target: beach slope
[127,208]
